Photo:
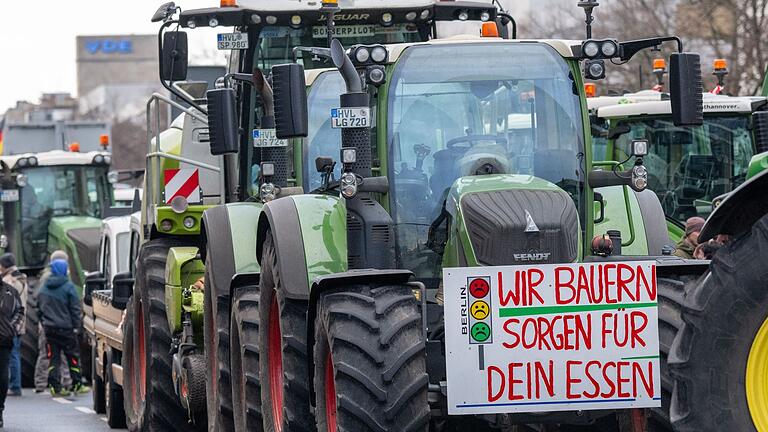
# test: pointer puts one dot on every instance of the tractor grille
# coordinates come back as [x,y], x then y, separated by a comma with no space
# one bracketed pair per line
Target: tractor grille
[522,226]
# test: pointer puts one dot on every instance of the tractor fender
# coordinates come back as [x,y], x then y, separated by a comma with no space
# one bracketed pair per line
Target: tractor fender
[349,278]
[230,237]
[217,250]
[309,233]
[739,210]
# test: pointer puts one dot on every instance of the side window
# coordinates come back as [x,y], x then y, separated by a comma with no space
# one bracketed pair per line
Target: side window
[106,256]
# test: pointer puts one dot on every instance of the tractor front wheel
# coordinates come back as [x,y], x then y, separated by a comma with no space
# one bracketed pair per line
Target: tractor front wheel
[283,349]
[370,361]
[719,359]
[244,340]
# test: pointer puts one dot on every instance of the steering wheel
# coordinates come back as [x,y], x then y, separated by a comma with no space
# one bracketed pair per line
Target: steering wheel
[471,139]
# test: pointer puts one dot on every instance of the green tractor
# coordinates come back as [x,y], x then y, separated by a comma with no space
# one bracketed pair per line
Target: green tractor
[720,355]
[689,167]
[345,314]
[52,200]
[206,184]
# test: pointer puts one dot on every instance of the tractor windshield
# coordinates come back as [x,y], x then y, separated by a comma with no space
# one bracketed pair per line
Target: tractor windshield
[53,191]
[689,166]
[471,109]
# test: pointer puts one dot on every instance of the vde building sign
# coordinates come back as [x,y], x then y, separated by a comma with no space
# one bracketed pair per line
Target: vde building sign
[115,60]
[552,337]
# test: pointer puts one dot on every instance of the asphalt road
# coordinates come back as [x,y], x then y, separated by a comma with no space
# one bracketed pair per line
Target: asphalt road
[41,413]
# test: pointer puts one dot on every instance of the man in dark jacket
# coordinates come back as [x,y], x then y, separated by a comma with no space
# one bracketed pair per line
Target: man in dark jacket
[11,323]
[11,275]
[60,315]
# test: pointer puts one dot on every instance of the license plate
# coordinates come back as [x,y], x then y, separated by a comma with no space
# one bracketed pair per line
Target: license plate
[343,31]
[9,195]
[232,41]
[267,138]
[342,118]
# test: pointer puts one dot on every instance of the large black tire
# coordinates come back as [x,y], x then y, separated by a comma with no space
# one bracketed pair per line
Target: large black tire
[113,396]
[131,399]
[159,408]
[244,338]
[29,351]
[671,291]
[370,360]
[284,396]
[99,400]
[722,315]
[216,341]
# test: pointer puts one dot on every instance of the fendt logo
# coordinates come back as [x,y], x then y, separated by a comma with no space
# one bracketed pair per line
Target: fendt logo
[109,46]
[540,256]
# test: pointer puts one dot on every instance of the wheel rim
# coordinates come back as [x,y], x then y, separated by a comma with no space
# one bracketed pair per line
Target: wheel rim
[330,393]
[142,356]
[275,363]
[757,379]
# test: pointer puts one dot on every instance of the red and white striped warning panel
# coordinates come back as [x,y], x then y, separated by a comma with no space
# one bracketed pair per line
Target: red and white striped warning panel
[182,182]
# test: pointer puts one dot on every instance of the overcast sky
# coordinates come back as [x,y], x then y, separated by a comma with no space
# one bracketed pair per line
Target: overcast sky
[37,39]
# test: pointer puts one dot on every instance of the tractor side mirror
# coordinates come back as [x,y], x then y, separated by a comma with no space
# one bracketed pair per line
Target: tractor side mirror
[93,282]
[290,94]
[760,128]
[122,289]
[174,56]
[222,120]
[686,89]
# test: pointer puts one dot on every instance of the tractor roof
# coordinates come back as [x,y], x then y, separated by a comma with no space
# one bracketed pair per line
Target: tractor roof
[56,158]
[629,106]
[250,12]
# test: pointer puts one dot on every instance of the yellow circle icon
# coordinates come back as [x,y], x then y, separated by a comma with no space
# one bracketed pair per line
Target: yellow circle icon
[480,310]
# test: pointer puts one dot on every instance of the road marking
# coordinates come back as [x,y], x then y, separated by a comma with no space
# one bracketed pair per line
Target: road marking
[85,410]
[62,400]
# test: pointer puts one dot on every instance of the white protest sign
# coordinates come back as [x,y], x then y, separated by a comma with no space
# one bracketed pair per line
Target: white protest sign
[552,337]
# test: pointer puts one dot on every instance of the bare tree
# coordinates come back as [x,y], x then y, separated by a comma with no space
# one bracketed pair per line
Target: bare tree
[731,29]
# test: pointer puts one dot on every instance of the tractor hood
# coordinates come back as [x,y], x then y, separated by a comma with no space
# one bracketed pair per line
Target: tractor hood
[80,237]
[514,219]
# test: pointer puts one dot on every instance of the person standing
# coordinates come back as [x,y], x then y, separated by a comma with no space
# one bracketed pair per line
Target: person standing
[41,366]
[687,245]
[60,314]
[11,275]
[11,322]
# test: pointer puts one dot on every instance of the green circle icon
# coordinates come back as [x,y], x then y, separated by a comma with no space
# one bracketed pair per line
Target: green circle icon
[480,332]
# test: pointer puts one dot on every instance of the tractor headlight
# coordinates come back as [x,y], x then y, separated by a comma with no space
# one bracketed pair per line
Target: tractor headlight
[213,22]
[375,75]
[189,222]
[609,49]
[107,159]
[23,162]
[348,155]
[362,55]
[191,24]
[256,19]
[98,159]
[463,15]
[410,16]
[639,178]
[386,19]
[32,161]
[424,14]
[590,49]
[21,180]
[271,19]
[594,69]
[296,20]
[639,148]
[348,185]
[166,225]
[485,16]
[267,192]
[379,54]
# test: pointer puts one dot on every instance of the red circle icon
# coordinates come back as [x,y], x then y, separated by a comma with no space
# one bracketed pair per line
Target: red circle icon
[479,288]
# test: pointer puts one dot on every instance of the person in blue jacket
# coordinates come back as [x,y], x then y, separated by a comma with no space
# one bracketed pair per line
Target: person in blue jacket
[60,315]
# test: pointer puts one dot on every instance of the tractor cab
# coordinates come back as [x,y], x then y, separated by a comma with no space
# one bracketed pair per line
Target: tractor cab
[688,166]
[54,200]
